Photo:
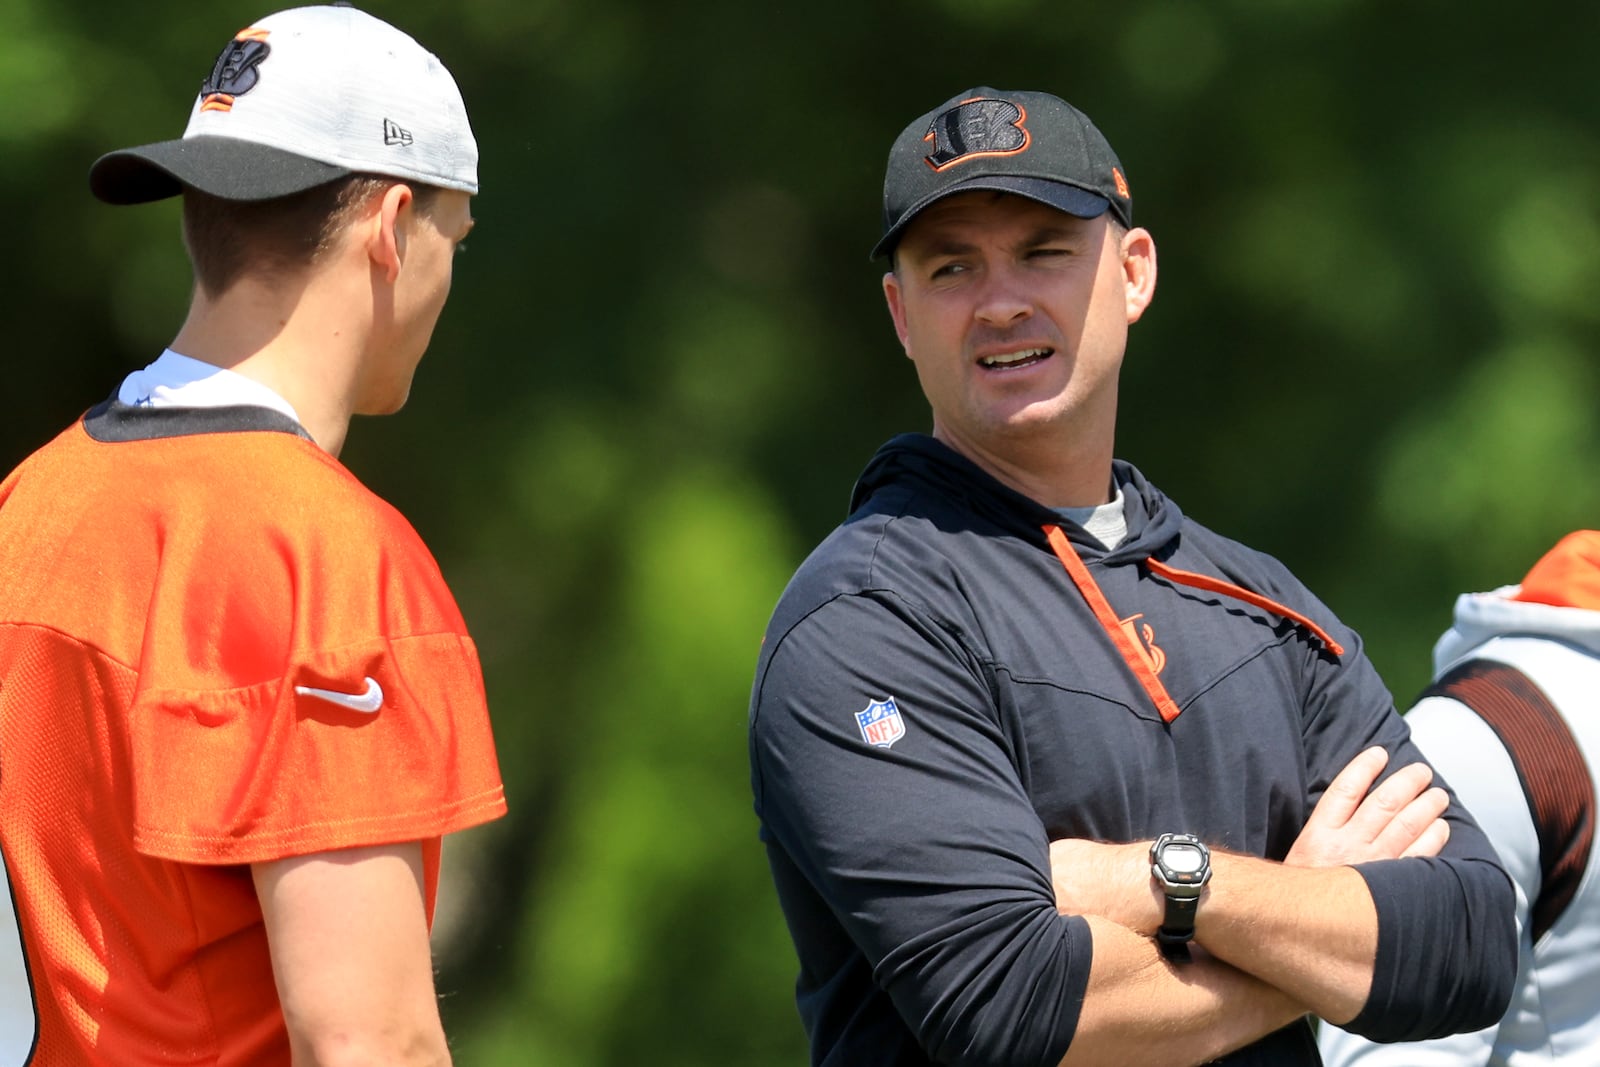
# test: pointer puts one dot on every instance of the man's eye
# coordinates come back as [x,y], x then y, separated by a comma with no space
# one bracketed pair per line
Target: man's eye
[946,270]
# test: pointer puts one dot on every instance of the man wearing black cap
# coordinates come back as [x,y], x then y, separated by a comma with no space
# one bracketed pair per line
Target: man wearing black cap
[239,706]
[1047,772]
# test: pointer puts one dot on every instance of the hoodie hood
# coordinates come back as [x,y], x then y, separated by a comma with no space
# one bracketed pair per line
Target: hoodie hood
[912,462]
[1559,599]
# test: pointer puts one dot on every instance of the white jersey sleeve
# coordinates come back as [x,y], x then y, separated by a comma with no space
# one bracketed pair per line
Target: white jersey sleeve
[1471,760]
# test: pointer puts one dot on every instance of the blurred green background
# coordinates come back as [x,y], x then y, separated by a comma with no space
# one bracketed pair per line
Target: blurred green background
[1372,354]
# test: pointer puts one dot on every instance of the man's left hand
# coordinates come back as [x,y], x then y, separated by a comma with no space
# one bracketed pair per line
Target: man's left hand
[1356,823]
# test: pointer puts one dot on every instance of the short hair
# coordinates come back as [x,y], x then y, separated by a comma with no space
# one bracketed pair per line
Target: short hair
[228,239]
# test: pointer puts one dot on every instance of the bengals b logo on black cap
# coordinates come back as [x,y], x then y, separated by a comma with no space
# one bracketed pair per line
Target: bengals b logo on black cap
[1030,144]
[972,128]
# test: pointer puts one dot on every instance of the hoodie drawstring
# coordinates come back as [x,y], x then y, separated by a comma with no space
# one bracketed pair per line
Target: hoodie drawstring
[1134,656]
[1228,589]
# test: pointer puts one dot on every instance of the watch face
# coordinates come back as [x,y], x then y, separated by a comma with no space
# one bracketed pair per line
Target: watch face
[1182,859]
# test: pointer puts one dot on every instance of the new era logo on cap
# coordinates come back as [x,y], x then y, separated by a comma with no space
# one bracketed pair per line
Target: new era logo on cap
[394,134]
[1030,144]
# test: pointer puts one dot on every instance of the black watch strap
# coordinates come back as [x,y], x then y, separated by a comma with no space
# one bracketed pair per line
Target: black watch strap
[1177,928]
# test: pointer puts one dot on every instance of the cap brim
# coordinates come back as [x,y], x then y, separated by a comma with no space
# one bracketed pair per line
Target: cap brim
[222,166]
[1059,195]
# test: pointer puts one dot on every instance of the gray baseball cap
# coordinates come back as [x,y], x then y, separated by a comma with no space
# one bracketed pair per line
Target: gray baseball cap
[301,98]
[1028,143]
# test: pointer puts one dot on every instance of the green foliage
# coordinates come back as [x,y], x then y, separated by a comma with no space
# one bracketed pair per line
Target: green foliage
[665,359]
[656,857]
[1487,461]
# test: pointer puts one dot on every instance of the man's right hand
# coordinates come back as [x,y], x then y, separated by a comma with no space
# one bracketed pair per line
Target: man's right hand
[1350,825]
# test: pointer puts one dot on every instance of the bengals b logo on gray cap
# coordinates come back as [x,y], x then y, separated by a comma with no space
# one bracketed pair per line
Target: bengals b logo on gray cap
[304,97]
[1028,143]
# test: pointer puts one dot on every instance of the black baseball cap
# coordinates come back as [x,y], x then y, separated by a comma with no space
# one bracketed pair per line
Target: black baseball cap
[1028,143]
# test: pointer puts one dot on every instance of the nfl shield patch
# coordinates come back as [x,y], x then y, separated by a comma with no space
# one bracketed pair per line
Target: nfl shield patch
[881,724]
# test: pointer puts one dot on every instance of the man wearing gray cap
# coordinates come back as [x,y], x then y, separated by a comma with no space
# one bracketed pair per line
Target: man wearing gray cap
[238,704]
[1048,772]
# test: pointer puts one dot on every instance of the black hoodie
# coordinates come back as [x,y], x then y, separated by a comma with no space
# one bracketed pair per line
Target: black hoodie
[958,675]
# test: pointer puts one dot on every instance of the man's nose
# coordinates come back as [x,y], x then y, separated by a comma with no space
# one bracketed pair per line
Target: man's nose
[1003,301]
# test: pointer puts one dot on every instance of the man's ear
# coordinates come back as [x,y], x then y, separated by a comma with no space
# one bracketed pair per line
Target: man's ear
[1138,270]
[386,239]
[897,309]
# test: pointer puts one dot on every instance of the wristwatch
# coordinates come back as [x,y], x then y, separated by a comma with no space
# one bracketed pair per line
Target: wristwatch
[1181,866]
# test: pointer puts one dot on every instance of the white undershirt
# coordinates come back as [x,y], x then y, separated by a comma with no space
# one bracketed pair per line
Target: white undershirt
[176,381]
[1107,523]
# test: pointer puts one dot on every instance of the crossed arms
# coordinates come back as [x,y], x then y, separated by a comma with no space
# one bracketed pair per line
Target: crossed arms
[929,904]
[1275,940]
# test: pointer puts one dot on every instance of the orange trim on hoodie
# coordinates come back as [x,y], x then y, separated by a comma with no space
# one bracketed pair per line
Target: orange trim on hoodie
[1228,589]
[1134,657]
[1131,655]
[1567,576]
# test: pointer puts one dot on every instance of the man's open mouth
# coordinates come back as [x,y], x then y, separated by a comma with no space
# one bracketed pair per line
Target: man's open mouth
[1020,358]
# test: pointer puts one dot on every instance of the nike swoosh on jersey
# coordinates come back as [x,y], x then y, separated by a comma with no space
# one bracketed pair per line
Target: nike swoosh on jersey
[367,703]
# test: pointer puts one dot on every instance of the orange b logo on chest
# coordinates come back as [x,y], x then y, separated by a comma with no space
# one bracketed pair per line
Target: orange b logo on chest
[1144,639]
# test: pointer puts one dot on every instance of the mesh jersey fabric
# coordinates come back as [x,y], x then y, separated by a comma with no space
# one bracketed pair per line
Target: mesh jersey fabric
[161,598]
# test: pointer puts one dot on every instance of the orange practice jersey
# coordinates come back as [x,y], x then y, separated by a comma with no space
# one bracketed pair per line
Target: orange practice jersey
[170,581]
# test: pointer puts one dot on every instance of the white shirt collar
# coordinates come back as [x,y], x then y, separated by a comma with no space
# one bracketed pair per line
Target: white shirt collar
[177,381]
[1107,523]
